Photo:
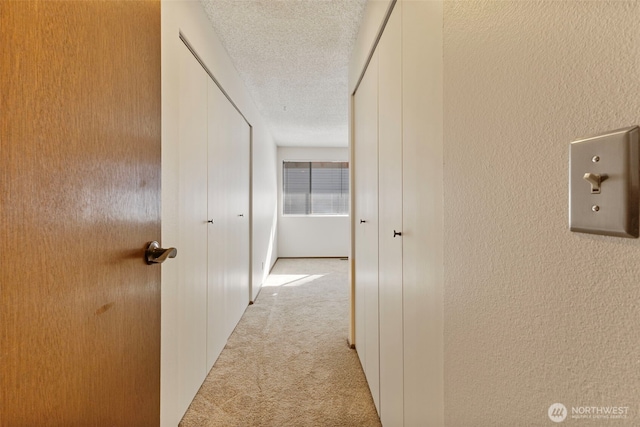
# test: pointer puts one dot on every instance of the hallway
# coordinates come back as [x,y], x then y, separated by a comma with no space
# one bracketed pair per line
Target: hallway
[288,363]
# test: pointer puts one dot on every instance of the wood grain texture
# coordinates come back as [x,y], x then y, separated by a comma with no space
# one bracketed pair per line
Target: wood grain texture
[79,198]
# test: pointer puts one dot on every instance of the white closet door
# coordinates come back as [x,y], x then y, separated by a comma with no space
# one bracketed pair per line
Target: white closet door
[390,221]
[229,148]
[217,201]
[366,225]
[192,214]
[227,240]
[239,140]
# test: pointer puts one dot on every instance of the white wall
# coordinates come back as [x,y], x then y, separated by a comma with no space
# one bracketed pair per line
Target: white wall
[189,17]
[264,220]
[535,314]
[311,236]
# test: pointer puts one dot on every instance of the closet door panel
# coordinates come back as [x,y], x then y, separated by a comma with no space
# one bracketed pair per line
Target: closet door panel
[217,200]
[240,142]
[192,211]
[390,221]
[226,241]
[366,224]
[229,193]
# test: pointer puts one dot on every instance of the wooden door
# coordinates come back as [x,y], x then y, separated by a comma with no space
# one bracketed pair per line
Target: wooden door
[79,199]
[390,220]
[366,224]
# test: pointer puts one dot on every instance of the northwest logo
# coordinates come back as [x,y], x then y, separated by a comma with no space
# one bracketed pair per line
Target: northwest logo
[557,412]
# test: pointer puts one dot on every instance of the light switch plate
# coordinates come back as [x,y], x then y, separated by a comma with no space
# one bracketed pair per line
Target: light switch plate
[613,158]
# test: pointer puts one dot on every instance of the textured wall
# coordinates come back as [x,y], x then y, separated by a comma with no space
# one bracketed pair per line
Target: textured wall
[534,314]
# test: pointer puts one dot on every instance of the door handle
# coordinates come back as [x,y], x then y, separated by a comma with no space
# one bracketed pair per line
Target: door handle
[154,254]
[362,221]
[397,233]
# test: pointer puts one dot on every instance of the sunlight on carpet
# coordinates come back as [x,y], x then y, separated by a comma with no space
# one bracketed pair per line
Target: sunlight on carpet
[290,279]
[288,362]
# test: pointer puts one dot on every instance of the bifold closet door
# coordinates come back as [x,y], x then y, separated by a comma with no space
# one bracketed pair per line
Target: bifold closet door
[192,213]
[390,221]
[366,225]
[238,236]
[219,156]
[228,211]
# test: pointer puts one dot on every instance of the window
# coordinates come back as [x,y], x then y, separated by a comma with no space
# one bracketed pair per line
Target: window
[315,188]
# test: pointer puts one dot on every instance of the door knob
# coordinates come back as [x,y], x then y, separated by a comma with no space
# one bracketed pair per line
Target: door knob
[154,254]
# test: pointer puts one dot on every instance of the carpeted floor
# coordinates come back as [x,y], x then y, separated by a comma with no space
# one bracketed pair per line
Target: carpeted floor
[288,362]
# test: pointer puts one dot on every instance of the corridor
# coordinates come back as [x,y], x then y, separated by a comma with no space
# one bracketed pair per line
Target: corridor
[288,363]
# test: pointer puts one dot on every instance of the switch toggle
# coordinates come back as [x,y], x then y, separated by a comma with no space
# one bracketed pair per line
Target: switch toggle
[594,179]
[608,207]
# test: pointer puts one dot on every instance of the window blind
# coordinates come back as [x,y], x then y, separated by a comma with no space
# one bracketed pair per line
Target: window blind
[315,188]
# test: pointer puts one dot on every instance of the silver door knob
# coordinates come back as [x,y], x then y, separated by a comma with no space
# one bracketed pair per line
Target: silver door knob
[154,254]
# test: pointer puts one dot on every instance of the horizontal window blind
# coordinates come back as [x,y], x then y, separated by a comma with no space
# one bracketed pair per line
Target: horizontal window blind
[297,188]
[316,188]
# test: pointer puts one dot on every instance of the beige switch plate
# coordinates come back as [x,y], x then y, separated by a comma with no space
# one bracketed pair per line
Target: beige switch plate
[615,157]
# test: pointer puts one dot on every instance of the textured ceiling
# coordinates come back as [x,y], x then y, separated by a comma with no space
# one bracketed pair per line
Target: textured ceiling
[293,56]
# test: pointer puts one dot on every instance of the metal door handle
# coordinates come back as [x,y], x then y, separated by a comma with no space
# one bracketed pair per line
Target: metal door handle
[210,221]
[362,221]
[154,254]
[397,233]
[240,214]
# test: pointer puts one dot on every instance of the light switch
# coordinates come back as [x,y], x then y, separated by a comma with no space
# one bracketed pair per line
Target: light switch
[604,183]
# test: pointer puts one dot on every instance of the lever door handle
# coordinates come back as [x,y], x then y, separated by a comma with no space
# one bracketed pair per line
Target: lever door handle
[240,214]
[397,233]
[362,221]
[154,254]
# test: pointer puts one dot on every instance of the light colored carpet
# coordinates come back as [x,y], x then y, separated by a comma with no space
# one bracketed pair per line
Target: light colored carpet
[288,362]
